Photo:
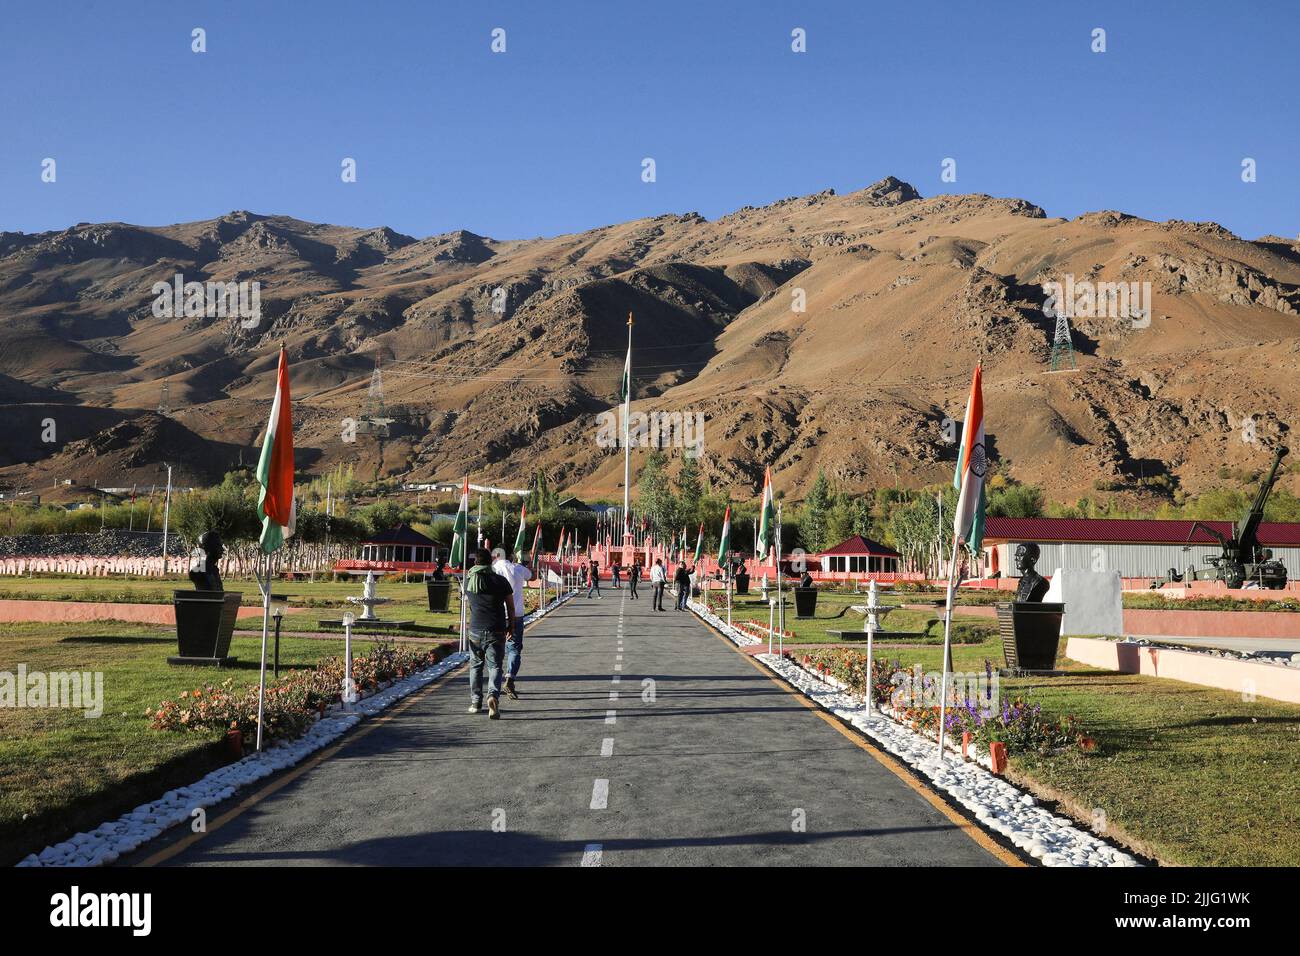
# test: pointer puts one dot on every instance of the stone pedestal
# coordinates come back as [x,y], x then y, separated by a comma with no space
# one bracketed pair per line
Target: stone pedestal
[205,622]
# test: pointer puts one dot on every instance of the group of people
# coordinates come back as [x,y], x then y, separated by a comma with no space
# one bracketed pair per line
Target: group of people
[494,597]
[589,574]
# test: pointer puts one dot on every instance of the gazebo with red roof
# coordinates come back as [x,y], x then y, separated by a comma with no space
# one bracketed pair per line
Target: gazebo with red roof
[859,555]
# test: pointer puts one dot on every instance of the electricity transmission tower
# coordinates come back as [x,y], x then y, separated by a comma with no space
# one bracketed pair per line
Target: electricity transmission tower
[375,418]
[1062,346]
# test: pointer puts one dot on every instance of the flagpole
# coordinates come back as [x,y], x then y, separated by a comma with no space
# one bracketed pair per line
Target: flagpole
[264,583]
[627,447]
[947,642]
[780,603]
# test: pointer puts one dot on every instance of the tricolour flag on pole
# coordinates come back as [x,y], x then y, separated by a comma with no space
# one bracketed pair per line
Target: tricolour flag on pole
[537,543]
[972,464]
[699,544]
[767,519]
[625,386]
[275,502]
[724,545]
[520,540]
[460,531]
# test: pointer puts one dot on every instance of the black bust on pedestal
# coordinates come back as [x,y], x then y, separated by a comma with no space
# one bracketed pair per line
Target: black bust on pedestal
[1030,628]
[205,617]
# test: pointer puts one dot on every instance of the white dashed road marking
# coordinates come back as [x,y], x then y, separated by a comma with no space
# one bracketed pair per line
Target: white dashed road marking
[600,794]
[611,716]
[591,854]
[607,747]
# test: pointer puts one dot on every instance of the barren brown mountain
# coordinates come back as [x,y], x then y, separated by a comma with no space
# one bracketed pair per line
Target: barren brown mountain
[903,297]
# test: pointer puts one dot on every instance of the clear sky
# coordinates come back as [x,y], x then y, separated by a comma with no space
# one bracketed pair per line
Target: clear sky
[549,137]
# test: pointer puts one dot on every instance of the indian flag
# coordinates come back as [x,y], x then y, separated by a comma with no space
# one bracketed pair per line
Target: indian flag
[460,530]
[767,520]
[275,502]
[537,543]
[523,526]
[972,464]
[699,544]
[724,545]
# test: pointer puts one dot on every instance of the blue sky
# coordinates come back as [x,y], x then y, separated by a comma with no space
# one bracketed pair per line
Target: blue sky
[548,137]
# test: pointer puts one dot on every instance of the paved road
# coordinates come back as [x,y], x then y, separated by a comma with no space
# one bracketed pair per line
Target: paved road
[717,767]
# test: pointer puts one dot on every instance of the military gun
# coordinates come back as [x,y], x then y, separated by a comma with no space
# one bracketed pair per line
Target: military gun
[1241,558]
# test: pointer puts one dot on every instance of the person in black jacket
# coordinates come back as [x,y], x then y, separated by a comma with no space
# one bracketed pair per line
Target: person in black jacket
[490,601]
[683,581]
[633,579]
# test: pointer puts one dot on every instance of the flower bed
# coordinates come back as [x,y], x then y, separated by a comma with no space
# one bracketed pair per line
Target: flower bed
[293,702]
[1018,723]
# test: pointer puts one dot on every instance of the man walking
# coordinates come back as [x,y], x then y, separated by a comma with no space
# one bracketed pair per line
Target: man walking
[516,574]
[657,581]
[633,579]
[593,581]
[614,571]
[683,581]
[491,608]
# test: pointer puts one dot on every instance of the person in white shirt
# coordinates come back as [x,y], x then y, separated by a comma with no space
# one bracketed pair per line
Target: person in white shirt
[657,581]
[516,574]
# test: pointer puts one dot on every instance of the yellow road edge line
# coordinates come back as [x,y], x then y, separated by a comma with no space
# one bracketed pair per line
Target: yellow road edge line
[292,774]
[971,829]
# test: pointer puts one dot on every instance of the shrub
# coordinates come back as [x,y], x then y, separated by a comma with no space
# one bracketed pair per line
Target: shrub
[292,701]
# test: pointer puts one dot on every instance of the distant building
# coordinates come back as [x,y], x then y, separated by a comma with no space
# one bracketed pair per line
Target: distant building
[1136,548]
[859,555]
[402,544]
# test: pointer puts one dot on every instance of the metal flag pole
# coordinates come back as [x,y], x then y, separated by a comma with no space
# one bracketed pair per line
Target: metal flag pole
[780,602]
[167,510]
[947,642]
[264,583]
[627,445]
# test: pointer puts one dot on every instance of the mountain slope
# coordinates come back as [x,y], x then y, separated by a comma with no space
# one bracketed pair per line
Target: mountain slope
[497,356]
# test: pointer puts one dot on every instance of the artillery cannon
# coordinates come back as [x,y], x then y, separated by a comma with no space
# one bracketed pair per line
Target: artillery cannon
[1241,559]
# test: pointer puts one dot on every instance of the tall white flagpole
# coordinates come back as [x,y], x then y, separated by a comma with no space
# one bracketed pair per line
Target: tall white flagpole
[627,447]
[780,602]
[264,581]
[947,642]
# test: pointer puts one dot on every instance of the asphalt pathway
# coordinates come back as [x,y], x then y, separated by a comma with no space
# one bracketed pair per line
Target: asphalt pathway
[641,738]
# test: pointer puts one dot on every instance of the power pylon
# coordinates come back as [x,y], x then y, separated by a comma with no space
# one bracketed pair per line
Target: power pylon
[1062,345]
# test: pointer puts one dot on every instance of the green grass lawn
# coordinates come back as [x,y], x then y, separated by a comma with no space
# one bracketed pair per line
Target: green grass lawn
[830,604]
[1187,774]
[319,600]
[63,772]
[1197,776]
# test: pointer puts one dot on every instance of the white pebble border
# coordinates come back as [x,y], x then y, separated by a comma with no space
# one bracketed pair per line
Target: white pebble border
[998,806]
[126,834]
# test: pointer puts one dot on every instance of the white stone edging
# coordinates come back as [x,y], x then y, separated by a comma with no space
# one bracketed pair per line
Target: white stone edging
[116,838]
[997,805]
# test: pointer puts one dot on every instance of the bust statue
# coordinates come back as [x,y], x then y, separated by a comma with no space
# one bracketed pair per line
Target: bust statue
[1032,584]
[203,562]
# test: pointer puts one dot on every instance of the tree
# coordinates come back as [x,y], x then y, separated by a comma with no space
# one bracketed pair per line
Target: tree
[1016,501]
[690,492]
[813,518]
[654,497]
